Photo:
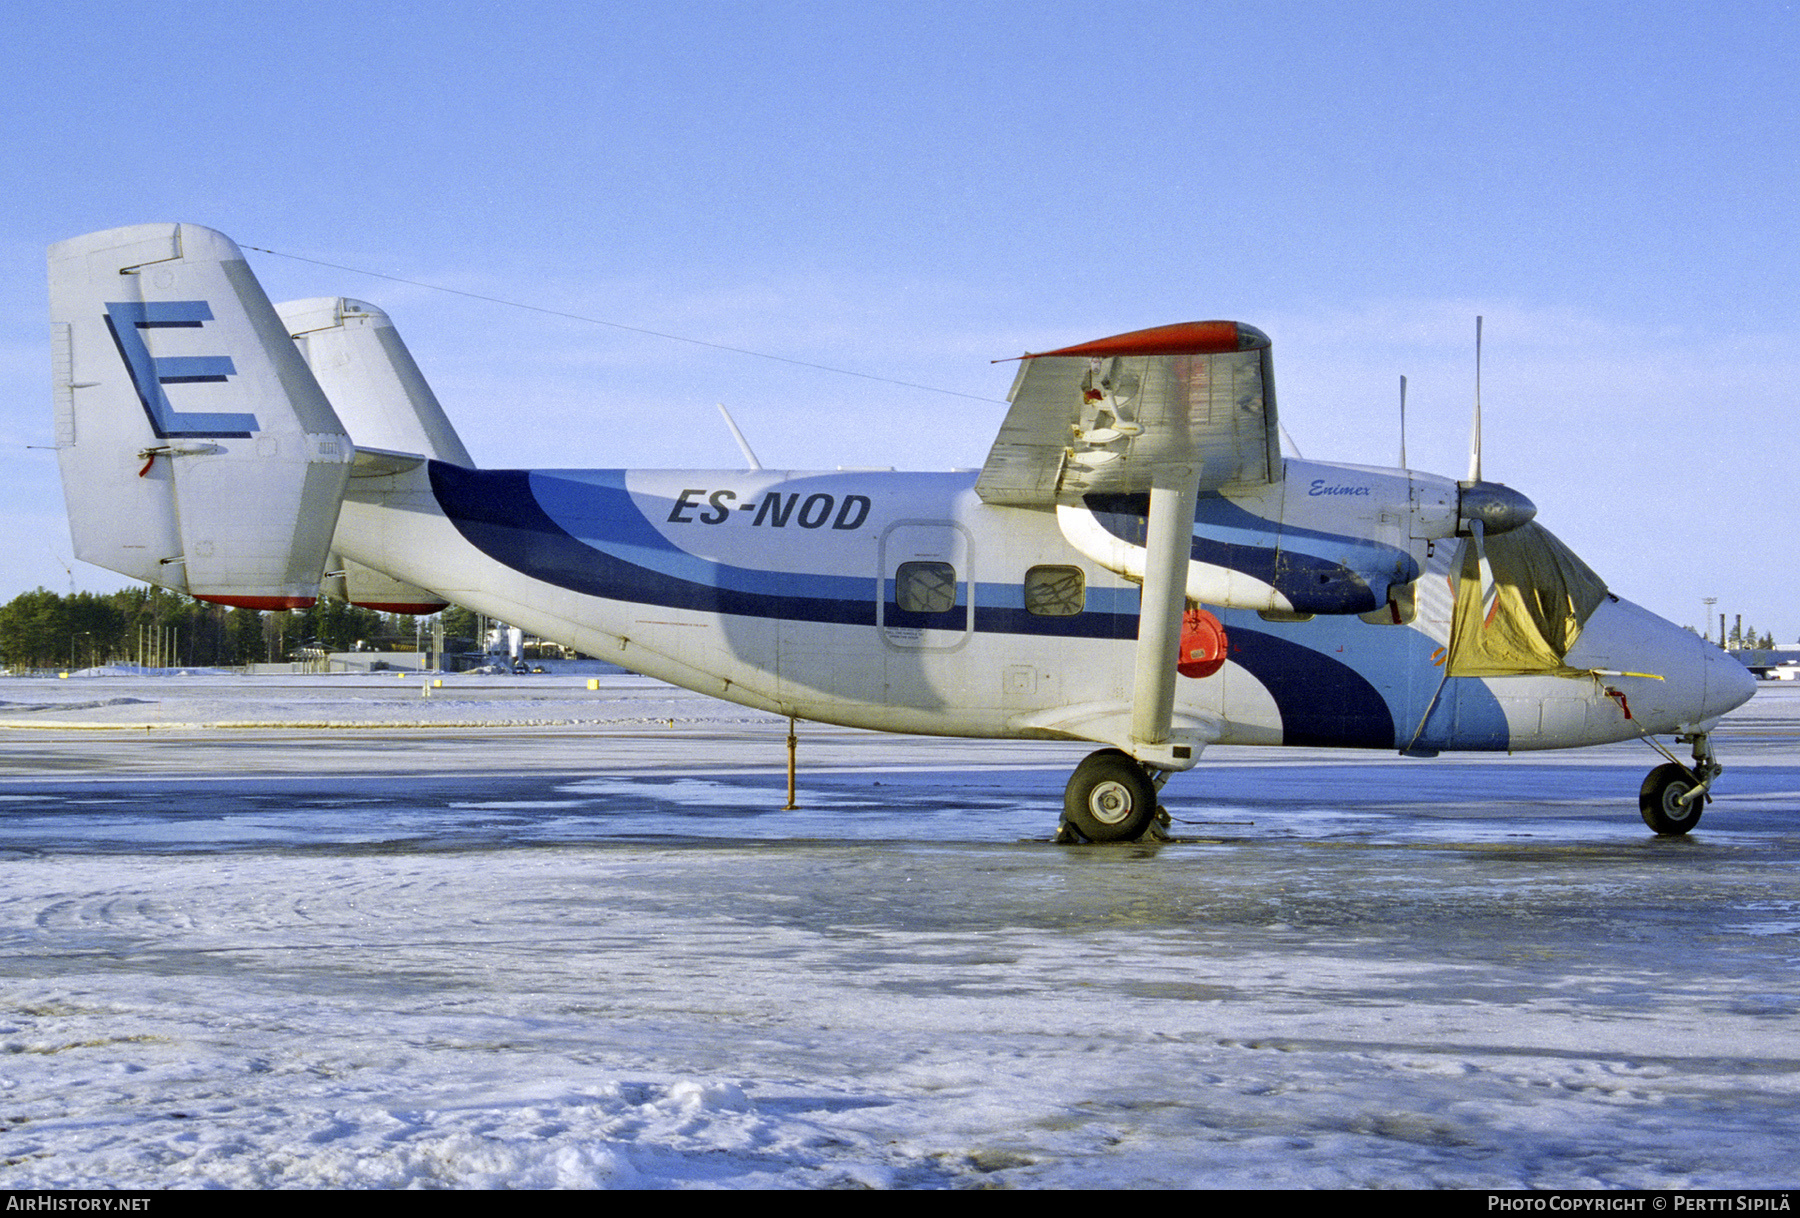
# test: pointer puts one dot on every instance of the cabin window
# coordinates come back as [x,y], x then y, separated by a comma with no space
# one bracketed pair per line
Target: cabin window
[1055,591]
[925,587]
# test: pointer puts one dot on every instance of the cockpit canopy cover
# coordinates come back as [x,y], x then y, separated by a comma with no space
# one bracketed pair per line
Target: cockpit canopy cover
[1544,594]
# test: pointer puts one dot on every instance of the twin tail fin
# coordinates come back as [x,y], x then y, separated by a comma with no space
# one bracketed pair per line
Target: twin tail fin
[197,450]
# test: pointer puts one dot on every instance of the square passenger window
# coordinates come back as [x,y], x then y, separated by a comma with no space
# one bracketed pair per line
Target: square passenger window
[925,587]
[1055,591]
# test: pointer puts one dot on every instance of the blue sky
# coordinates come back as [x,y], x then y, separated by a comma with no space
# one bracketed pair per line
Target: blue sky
[913,190]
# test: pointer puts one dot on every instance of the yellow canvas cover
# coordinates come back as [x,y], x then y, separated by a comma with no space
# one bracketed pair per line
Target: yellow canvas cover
[1544,595]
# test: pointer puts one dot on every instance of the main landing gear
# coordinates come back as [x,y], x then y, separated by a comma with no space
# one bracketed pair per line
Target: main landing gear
[1110,798]
[1673,795]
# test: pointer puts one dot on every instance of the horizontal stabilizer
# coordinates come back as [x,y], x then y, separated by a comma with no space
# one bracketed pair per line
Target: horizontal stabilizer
[349,580]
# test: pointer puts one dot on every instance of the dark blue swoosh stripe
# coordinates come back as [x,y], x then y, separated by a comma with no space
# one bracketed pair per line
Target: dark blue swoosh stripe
[498,512]
[498,515]
[1322,702]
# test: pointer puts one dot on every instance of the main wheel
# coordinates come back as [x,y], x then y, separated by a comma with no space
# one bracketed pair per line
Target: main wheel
[1659,799]
[1110,798]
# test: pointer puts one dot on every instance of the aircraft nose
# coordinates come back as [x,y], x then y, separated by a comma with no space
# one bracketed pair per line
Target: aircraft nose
[1728,684]
[1677,681]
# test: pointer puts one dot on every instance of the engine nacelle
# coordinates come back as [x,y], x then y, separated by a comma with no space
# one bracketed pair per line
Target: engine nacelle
[1326,539]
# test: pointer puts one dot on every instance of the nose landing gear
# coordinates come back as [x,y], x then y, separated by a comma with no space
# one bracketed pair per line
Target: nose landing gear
[1673,795]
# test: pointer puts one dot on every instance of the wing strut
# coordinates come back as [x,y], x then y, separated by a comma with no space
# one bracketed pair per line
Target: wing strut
[1168,543]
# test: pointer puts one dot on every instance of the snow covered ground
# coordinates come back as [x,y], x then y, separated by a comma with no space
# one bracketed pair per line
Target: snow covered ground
[519,933]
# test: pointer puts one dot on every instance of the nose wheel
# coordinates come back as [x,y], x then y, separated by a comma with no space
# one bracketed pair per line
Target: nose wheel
[1670,800]
[1674,795]
[1110,798]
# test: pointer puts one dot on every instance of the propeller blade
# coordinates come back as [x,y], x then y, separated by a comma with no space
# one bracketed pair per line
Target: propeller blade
[1490,595]
[1403,422]
[1475,430]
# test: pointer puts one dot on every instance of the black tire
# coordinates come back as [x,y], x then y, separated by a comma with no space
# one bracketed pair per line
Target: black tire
[1659,800]
[1109,798]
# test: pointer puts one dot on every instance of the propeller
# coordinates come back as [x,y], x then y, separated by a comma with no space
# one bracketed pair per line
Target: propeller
[1403,422]
[1292,447]
[1475,427]
[1486,507]
[1490,595]
[1500,509]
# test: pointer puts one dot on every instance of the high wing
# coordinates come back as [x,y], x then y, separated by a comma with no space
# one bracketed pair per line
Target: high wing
[1169,413]
[1106,416]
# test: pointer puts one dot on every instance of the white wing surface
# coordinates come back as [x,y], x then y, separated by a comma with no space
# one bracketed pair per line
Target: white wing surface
[1106,416]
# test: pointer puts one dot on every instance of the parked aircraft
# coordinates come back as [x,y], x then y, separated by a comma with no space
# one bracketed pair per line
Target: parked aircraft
[1136,565]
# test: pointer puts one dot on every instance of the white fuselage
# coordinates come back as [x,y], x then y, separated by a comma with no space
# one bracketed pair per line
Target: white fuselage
[787,591]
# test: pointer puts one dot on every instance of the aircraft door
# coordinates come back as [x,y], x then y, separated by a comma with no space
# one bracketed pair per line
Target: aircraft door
[925,591]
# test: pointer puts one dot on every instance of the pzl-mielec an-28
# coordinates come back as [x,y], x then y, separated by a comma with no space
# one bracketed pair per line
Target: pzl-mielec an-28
[1136,565]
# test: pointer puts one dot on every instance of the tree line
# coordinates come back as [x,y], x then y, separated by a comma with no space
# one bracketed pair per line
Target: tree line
[43,629]
[1746,636]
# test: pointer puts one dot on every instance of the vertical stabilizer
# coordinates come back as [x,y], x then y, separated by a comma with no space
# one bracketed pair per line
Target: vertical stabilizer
[376,388]
[370,378]
[197,451]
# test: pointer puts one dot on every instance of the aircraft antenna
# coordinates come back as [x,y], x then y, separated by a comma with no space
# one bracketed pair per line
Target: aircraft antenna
[739,437]
[67,569]
[1293,447]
